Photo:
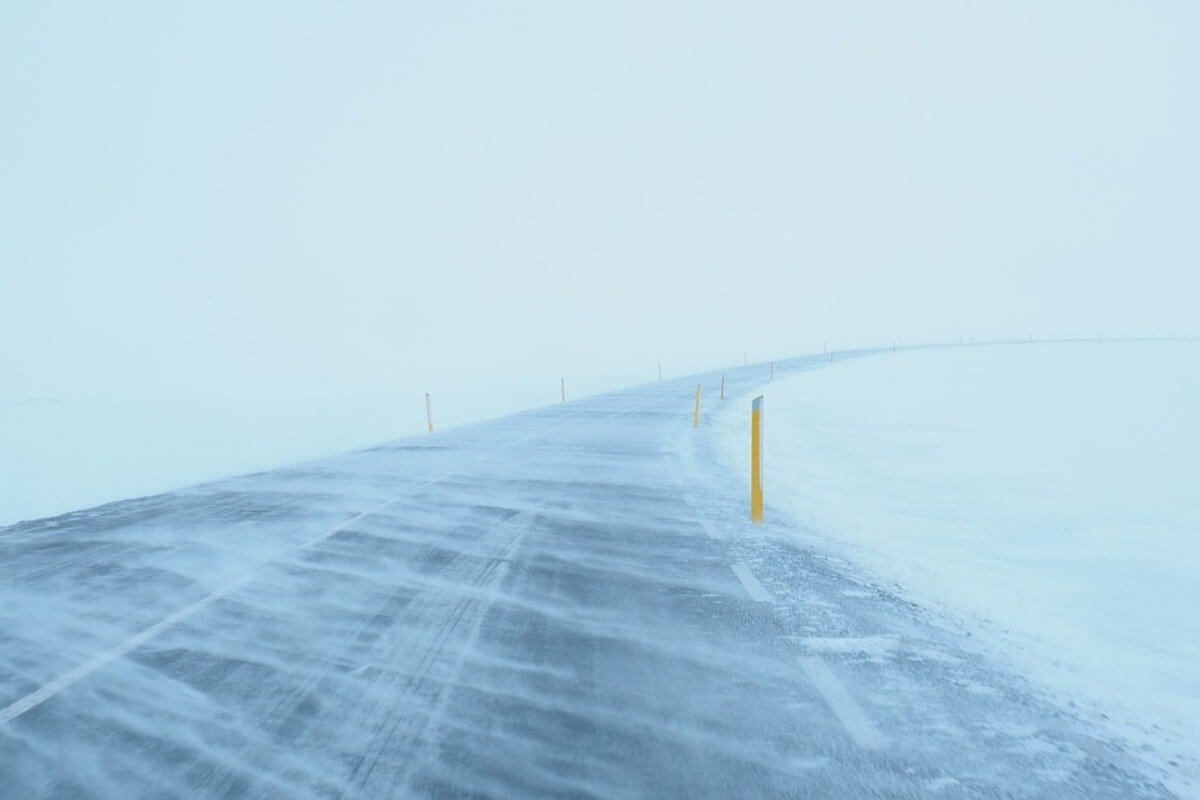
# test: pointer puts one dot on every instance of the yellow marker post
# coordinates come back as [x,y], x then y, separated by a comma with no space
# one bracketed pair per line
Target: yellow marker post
[696,413]
[429,412]
[756,489]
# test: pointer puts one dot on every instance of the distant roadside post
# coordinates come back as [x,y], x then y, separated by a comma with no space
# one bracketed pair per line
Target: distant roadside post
[429,412]
[756,490]
[722,387]
[696,412]
[563,385]
[660,370]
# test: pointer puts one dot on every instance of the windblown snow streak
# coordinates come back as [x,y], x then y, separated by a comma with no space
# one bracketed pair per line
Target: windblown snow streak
[524,608]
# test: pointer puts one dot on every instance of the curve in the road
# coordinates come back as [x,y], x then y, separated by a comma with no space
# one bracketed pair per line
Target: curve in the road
[568,601]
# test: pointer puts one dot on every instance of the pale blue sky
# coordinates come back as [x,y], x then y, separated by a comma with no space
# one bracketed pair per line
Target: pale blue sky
[439,196]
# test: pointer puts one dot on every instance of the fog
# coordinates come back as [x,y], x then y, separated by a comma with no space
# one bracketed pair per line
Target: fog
[283,200]
[240,239]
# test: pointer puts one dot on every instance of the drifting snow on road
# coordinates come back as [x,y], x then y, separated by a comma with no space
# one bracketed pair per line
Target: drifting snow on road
[569,601]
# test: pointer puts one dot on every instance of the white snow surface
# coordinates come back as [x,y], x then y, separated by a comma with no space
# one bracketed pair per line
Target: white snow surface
[64,453]
[67,452]
[1045,495]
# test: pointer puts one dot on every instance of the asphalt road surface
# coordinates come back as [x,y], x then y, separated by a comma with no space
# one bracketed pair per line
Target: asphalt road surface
[566,602]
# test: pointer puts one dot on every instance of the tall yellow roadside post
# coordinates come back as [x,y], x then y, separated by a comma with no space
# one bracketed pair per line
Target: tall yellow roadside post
[696,413]
[429,412]
[756,489]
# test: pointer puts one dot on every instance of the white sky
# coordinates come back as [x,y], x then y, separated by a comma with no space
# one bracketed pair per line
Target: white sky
[408,197]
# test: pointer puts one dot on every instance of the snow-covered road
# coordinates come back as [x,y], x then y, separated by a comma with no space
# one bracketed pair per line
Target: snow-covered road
[568,601]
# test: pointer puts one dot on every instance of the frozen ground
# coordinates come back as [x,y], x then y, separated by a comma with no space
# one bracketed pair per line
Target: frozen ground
[65,452]
[1043,494]
[568,601]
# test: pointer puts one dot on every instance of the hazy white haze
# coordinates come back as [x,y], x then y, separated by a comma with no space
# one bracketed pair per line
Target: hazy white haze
[315,213]
[240,242]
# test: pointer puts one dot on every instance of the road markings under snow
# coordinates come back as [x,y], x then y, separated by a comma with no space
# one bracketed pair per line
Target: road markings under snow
[67,679]
[856,722]
[97,662]
[750,583]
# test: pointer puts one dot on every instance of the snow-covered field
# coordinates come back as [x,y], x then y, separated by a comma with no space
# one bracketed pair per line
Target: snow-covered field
[67,453]
[1046,495]
[63,453]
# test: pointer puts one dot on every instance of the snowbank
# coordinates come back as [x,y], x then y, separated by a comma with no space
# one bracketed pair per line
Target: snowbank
[1045,494]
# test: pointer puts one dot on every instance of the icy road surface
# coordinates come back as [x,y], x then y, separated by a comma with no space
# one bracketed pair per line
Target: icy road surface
[566,602]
